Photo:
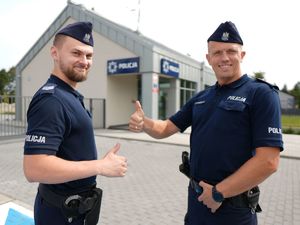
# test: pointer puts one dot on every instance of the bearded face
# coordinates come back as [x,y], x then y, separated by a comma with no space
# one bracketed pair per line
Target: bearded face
[73,59]
[75,72]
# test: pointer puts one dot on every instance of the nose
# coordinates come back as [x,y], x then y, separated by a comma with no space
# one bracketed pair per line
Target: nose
[84,60]
[224,56]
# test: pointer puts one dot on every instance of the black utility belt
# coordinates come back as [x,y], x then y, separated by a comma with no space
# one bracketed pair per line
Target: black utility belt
[248,199]
[86,203]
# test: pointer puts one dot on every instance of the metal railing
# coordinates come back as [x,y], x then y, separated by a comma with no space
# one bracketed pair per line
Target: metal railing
[13,110]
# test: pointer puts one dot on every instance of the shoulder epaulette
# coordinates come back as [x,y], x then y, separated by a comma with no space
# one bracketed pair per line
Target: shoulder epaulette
[265,82]
[48,89]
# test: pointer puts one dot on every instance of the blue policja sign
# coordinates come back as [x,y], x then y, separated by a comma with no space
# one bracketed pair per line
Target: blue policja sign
[120,66]
[169,68]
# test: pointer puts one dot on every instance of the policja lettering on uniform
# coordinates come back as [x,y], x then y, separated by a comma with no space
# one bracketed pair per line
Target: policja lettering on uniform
[35,138]
[237,98]
[274,130]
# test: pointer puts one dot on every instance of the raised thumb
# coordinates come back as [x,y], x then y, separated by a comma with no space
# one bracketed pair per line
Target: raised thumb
[138,106]
[115,149]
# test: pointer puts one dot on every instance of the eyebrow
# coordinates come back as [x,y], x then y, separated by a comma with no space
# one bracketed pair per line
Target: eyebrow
[86,52]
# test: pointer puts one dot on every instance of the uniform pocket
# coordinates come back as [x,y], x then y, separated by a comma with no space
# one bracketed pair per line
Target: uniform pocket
[232,105]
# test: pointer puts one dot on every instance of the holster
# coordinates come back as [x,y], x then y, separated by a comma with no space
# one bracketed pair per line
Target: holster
[248,199]
[185,166]
[92,216]
[253,198]
[86,203]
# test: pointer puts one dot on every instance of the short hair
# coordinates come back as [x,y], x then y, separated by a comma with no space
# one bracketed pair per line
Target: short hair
[58,40]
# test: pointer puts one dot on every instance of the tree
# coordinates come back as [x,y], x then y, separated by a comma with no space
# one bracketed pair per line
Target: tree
[3,80]
[296,93]
[285,90]
[7,81]
[259,75]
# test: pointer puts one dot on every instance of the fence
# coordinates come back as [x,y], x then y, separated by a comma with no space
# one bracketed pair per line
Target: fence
[13,114]
[291,112]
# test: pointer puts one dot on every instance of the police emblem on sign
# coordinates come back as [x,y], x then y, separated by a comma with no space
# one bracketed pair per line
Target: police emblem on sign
[112,67]
[166,66]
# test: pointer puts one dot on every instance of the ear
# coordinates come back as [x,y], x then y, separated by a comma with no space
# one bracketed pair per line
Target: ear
[208,58]
[54,53]
[243,53]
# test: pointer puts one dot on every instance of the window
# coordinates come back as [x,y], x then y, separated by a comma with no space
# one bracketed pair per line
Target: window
[187,90]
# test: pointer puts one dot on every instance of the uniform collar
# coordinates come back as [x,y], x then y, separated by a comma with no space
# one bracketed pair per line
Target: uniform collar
[54,79]
[243,79]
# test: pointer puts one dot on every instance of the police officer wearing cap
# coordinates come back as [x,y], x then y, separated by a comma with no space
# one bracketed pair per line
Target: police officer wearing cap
[60,151]
[235,140]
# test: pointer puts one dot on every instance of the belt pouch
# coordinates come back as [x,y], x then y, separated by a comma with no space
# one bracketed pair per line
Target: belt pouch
[92,216]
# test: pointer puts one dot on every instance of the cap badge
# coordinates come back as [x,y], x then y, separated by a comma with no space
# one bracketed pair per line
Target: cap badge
[225,36]
[87,37]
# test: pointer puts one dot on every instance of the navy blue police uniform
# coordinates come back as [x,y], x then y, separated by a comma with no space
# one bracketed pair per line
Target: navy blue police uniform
[60,125]
[228,123]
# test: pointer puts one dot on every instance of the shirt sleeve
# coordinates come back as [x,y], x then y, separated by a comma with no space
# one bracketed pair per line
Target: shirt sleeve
[47,124]
[266,119]
[183,118]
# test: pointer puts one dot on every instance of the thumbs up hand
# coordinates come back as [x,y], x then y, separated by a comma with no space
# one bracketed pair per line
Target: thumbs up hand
[136,122]
[113,165]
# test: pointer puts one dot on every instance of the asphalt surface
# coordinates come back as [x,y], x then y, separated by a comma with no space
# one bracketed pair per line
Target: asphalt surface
[154,191]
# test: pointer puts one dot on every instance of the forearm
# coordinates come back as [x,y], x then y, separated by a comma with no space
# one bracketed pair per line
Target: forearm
[52,170]
[252,173]
[155,128]
[159,128]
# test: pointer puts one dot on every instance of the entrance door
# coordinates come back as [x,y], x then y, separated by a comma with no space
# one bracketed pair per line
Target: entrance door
[164,86]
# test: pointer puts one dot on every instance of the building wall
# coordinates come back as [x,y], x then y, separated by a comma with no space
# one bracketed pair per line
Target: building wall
[37,71]
[116,89]
[121,92]
[97,84]
[287,101]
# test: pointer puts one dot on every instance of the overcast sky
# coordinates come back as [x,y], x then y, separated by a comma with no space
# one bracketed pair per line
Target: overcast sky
[269,29]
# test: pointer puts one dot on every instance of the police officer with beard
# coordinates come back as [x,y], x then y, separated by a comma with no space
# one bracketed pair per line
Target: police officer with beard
[60,151]
[235,140]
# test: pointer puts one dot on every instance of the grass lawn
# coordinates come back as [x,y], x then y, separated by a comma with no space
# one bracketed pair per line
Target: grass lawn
[290,121]
[291,124]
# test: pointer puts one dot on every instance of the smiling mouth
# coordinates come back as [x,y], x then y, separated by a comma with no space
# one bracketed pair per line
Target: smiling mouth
[225,66]
[80,69]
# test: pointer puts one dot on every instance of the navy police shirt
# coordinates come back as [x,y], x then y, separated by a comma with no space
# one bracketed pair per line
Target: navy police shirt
[59,124]
[228,123]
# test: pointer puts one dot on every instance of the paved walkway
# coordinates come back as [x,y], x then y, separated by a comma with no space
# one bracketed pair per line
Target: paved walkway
[291,142]
[154,191]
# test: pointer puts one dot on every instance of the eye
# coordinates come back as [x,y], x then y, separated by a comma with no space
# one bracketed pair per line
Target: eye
[231,51]
[89,56]
[217,53]
[76,53]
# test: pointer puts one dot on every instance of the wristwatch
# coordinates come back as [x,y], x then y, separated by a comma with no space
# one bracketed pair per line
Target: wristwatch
[217,196]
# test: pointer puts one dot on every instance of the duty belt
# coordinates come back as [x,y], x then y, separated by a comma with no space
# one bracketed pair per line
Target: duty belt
[72,206]
[248,199]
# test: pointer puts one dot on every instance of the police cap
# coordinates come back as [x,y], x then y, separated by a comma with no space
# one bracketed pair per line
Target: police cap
[226,32]
[81,31]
